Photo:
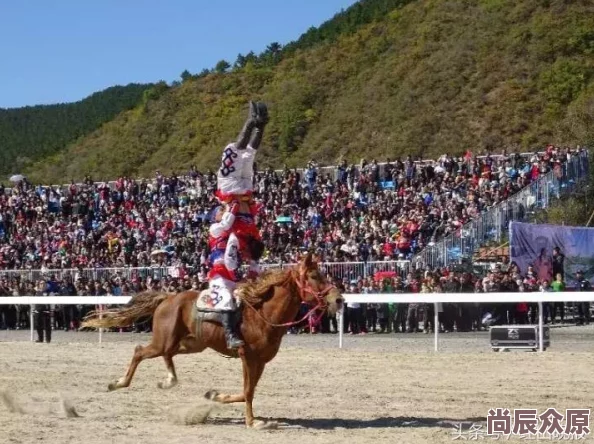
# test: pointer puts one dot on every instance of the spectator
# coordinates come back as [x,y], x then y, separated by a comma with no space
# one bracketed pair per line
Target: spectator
[583,307]
[558,262]
[556,286]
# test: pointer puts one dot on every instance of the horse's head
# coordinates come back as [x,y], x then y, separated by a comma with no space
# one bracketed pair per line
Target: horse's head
[315,289]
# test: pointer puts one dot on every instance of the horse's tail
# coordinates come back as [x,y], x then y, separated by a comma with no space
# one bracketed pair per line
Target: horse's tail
[141,305]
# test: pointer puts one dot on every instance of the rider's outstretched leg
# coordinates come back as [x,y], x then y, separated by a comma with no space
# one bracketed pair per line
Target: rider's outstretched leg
[246,131]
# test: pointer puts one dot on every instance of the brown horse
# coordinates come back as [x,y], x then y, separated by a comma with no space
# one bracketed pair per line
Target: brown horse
[268,307]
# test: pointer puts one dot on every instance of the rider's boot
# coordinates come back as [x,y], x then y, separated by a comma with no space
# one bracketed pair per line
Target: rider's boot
[228,320]
[261,114]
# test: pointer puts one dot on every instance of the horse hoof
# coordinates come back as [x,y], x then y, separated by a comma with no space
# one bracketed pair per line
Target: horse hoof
[112,386]
[211,395]
[264,425]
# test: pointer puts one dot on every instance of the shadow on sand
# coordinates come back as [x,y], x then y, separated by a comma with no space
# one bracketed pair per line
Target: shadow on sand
[375,423]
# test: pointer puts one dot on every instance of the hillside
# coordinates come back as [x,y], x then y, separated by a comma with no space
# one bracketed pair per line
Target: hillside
[429,77]
[31,133]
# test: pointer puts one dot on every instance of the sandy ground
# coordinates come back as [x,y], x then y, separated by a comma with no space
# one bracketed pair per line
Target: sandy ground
[380,388]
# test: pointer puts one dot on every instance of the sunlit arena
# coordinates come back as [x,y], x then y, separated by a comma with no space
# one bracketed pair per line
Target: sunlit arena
[377,230]
[376,389]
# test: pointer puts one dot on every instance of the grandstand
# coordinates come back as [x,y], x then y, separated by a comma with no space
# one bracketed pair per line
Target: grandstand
[369,212]
[366,222]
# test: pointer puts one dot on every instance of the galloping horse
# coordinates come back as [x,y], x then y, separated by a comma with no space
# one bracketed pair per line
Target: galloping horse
[268,307]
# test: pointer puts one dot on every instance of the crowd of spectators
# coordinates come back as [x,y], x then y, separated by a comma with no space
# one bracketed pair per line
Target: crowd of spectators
[368,212]
[502,277]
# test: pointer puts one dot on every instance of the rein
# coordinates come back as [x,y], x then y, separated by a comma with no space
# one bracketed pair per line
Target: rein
[304,289]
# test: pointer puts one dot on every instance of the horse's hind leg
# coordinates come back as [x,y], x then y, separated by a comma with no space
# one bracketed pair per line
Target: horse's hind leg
[140,353]
[177,347]
[171,380]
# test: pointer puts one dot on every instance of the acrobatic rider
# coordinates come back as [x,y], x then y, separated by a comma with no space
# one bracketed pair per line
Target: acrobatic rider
[233,235]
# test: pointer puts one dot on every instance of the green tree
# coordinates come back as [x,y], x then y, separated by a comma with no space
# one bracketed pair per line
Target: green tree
[222,66]
[272,55]
[251,57]
[185,76]
[240,62]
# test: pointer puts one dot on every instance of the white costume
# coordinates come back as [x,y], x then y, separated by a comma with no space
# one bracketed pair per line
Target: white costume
[235,177]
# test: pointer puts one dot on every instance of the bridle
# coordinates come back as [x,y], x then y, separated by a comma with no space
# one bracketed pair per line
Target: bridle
[305,288]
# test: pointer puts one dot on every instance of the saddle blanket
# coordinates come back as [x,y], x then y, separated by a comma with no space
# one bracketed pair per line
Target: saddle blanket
[206,302]
[205,311]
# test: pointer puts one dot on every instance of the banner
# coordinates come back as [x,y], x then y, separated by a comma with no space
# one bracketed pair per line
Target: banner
[532,245]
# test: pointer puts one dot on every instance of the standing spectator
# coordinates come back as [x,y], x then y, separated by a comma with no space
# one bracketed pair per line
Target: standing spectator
[371,312]
[428,310]
[558,285]
[558,262]
[583,307]
[450,311]
[467,313]
[42,316]
[412,315]
[385,310]
[354,313]
[401,310]
[69,312]
[548,308]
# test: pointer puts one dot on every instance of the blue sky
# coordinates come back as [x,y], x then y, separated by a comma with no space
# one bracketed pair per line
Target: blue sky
[64,50]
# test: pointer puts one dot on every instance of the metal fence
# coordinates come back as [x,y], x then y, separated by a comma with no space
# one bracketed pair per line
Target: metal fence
[90,273]
[341,270]
[355,270]
[492,225]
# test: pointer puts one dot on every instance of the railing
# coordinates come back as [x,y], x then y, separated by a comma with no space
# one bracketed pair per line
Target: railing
[91,273]
[341,270]
[492,225]
[383,298]
[355,270]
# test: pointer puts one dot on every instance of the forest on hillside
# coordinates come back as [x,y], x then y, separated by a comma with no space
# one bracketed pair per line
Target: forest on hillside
[420,77]
[31,133]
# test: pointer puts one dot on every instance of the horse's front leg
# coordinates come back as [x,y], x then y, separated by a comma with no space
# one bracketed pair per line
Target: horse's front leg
[225,398]
[252,372]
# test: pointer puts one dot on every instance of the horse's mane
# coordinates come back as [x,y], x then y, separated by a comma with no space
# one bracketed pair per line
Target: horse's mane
[258,291]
